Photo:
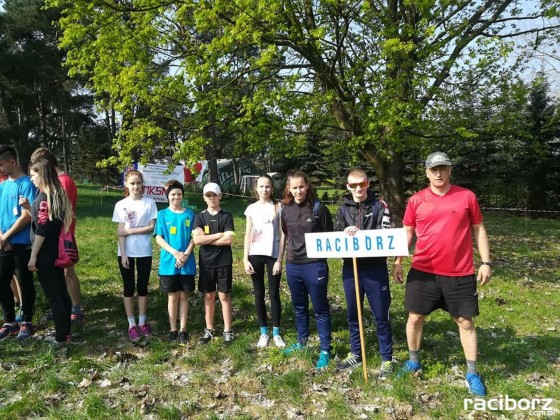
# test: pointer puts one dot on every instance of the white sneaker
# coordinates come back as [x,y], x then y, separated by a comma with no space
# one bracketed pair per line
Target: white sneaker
[278,341]
[263,341]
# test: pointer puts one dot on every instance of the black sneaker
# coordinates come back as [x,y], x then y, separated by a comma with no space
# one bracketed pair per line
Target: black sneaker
[173,335]
[206,337]
[350,362]
[228,337]
[183,337]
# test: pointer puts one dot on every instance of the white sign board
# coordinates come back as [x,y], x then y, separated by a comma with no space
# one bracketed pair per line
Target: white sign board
[156,175]
[365,243]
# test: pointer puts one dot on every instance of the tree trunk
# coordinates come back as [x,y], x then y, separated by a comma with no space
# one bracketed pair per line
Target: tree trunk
[389,171]
[213,170]
[390,176]
[213,175]
[65,145]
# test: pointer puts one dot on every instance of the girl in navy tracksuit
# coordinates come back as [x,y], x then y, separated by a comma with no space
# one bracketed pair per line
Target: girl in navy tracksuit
[307,277]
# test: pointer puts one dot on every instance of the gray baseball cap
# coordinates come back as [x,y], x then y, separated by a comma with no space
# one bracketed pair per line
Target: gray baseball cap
[437,159]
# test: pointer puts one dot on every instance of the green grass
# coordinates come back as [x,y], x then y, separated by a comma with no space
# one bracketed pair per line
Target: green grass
[102,375]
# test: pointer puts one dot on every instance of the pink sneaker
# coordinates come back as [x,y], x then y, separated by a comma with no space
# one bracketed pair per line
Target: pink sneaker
[134,334]
[145,329]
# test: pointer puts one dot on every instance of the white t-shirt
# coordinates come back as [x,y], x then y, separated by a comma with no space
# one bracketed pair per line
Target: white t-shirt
[135,214]
[265,235]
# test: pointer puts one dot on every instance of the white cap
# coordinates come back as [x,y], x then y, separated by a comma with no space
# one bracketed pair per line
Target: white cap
[212,187]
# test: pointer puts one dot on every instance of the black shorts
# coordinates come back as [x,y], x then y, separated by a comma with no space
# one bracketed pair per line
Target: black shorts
[426,292]
[210,277]
[176,283]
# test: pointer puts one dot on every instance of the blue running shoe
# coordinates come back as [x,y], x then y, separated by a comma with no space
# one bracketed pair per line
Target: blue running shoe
[25,331]
[475,385]
[294,348]
[409,366]
[324,359]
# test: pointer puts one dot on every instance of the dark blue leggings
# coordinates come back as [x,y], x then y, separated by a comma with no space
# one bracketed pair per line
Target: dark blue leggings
[311,280]
[374,283]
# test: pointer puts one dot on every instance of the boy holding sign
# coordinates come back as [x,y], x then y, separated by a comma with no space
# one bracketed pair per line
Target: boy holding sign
[361,211]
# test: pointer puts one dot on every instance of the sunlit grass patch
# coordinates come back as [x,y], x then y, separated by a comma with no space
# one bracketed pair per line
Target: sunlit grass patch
[103,375]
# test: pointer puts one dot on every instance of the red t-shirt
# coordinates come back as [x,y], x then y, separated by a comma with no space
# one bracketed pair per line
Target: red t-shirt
[72,191]
[443,229]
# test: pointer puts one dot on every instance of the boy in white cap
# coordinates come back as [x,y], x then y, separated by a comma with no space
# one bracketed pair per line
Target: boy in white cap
[213,230]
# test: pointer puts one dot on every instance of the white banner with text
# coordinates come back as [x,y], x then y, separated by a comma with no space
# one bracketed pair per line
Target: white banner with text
[365,243]
[156,175]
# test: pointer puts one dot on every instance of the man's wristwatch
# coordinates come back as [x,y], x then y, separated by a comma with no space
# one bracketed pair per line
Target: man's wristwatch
[489,263]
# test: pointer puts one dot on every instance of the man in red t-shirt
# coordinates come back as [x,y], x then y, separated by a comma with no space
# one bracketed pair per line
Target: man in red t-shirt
[72,282]
[443,217]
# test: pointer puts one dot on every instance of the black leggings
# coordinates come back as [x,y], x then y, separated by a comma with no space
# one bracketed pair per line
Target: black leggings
[15,261]
[143,267]
[259,262]
[54,284]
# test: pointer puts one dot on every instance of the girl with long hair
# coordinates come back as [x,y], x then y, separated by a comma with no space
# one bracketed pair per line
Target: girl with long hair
[307,277]
[135,216]
[51,211]
[262,251]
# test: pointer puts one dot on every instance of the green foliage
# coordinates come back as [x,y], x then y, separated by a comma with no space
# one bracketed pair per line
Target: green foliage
[220,79]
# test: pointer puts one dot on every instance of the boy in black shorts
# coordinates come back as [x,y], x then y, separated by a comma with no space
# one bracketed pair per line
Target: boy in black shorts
[213,230]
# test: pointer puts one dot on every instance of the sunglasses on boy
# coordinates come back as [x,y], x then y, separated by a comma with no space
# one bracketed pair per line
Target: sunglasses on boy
[355,185]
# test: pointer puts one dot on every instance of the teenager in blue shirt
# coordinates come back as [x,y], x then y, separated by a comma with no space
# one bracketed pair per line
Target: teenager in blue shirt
[177,265]
[15,245]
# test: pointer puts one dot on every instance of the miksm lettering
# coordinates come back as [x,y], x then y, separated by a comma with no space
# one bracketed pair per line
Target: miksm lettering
[153,190]
[367,242]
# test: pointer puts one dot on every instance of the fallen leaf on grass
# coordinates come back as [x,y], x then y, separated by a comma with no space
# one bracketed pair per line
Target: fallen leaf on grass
[105,383]
[538,380]
[142,391]
[401,411]
[147,404]
[220,395]
[54,398]
[294,414]
[431,400]
[125,357]
[84,383]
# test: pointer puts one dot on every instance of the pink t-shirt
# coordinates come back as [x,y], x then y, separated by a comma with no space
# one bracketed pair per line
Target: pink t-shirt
[72,191]
[444,244]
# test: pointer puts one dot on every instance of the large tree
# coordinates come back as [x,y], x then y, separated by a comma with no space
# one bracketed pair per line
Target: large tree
[39,104]
[376,67]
